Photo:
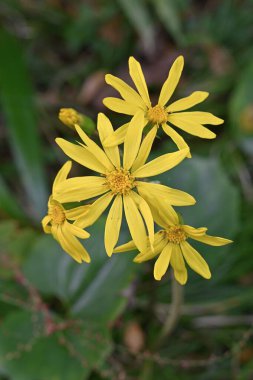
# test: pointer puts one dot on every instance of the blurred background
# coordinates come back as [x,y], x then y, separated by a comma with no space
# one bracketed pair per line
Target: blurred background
[61,320]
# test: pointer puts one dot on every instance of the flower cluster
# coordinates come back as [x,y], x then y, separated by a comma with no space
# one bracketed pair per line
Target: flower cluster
[123,179]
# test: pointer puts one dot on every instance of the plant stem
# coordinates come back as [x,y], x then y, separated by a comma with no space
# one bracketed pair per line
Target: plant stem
[175,310]
[169,325]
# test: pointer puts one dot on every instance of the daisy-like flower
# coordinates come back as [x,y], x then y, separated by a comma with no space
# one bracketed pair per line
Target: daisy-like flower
[172,247]
[56,221]
[121,182]
[160,114]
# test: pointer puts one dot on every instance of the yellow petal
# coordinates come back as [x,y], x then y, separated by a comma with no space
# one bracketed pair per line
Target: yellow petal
[113,224]
[162,212]
[105,129]
[189,101]
[80,188]
[50,199]
[45,221]
[95,149]
[47,229]
[212,240]
[81,155]
[163,216]
[127,92]
[120,106]
[195,260]
[117,137]
[62,175]
[201,117]
[133,139]
[125,247]
[78,232]
[161,164]
[77,212]
[144,149]
[146,214]
[162,263]
[71,245]
[191,231]
[171,82]
[178,140]
[135,223]
[177,262]
[190,126]
[137,76]
[95,210]
[76,248]
[173,197]
[159,243]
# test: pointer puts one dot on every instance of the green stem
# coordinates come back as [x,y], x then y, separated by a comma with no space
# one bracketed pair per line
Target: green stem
[168,327]
[175,311]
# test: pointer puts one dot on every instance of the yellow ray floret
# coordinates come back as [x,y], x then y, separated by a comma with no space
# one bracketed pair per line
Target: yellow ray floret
[171,247]
[56,222]
[121,182]
[160,114]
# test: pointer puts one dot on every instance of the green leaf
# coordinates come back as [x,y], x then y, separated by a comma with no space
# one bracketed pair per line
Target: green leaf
[138,14]
[7,232]
[12,295]
[81,29]
[168,13]
[106,291]
[37,346]
[18,105]
[87,288]
[15,240]
[241,104]
[8,203]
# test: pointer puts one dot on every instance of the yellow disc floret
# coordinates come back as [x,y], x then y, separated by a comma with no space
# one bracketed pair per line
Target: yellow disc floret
[56,212]
[120,181]
[175,234]
[157,115]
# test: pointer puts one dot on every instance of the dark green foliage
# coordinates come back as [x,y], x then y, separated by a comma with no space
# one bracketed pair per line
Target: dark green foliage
[19,108]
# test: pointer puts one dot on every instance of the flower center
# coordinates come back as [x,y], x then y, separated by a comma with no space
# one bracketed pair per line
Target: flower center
[157,115]
[176,234]
[120,181]
[56,211]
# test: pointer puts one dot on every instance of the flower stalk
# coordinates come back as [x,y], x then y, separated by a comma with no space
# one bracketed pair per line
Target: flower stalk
[173,316]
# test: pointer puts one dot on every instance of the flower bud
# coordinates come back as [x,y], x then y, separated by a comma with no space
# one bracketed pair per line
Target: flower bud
[70,117]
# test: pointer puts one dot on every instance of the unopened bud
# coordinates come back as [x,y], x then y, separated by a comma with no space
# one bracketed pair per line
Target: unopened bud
[69,117]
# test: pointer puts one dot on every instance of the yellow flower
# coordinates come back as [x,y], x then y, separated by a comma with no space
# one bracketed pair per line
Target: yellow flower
[160,114]
[56,222]
[121,182]
[172,247]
